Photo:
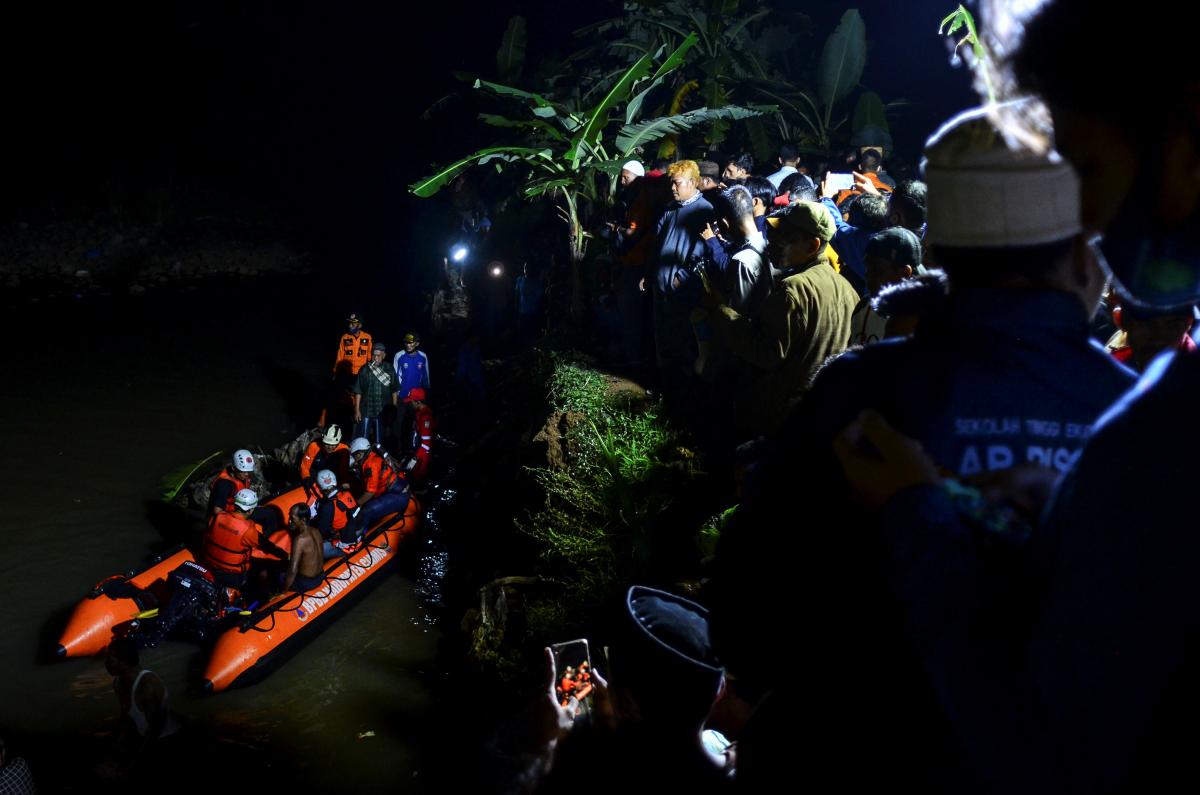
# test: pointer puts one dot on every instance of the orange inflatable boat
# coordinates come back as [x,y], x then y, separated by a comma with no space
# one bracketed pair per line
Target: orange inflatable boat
[247,649]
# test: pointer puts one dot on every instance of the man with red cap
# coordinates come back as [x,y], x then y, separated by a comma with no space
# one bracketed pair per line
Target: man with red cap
[422,438]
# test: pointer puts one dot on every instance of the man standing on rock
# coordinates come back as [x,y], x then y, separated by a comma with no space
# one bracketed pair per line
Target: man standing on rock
[412,365]
[377,384]
[354,350]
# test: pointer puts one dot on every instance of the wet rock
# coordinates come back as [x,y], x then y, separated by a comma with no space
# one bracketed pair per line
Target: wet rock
[290,453]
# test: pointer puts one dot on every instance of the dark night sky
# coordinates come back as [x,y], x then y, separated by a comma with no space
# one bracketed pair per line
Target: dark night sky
[311,107]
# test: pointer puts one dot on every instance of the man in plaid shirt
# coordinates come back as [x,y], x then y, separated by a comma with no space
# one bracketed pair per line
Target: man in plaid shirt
[377,384]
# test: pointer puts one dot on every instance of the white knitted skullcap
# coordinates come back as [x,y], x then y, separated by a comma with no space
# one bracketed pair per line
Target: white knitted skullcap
[987,191]
[635,168]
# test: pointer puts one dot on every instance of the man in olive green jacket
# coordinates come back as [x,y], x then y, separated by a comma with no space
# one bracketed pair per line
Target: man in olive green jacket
[804,321]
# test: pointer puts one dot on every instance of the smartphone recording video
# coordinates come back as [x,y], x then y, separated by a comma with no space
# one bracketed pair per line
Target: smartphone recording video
[573,664]
[839,181]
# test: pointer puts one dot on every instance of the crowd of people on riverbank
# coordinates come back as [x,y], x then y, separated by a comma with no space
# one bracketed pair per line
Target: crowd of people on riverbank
[961,558]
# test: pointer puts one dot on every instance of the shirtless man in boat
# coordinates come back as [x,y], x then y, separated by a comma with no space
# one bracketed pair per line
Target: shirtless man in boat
[306,568]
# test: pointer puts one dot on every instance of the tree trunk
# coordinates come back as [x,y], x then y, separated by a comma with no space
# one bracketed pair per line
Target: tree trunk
[578,247]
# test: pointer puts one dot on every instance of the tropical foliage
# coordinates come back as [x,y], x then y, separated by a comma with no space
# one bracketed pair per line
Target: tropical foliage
[960,19]
[572,155]
[604,509]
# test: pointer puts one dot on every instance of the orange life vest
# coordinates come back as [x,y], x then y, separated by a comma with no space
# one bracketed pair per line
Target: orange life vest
[879,184]
[378,474]
[229,540]
[356,349]
[344,506]
[238,485]
[315,451]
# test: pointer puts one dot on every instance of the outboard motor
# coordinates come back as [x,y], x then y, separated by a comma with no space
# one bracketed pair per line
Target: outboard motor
[193,606]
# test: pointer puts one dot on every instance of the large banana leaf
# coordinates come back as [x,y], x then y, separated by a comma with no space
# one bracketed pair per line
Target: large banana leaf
[760,143]
[631,136]
[511,55]
[537,99]
[538,188]
[842,59]
[676,58]
[432,184]
[522,124]
[176,480]
[597,120]
[731,33]
[634,108]
[869,112]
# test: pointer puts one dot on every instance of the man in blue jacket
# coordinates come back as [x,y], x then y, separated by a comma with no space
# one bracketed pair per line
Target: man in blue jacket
[676,283]
[1100,696]
[1005,377]
[412,365]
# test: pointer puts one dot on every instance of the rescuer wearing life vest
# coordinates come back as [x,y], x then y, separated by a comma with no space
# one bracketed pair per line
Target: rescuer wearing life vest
[337,515]
[385,488]
[325,452]
[422,438]
[231,538]
[354,350]
[233,478]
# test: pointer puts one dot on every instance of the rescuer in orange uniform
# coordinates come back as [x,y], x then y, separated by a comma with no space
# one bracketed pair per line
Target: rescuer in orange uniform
[229,481]
[337,515]
[354,348]
[231,538]
[385,488]
[326,452]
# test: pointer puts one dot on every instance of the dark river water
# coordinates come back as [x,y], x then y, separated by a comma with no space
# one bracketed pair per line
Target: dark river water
[101,398]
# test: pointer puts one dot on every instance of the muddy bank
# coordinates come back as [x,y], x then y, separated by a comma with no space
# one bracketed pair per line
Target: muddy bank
[580,486]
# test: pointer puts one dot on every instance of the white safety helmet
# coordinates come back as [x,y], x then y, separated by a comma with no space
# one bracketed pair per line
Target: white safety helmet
[360,444]
[333,435]
[326,480]
[243,461]
[246,500]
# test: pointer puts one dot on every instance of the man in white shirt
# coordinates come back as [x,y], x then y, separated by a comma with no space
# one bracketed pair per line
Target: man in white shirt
[789,162]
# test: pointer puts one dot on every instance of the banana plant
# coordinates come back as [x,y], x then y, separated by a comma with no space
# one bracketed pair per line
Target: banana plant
[961,19]
[563,153]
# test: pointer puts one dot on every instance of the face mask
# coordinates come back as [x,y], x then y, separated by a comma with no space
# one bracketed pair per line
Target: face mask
[1153,264]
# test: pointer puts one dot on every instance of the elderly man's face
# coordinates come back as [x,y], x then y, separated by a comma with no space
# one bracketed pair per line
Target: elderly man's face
[377,355]
[627,177]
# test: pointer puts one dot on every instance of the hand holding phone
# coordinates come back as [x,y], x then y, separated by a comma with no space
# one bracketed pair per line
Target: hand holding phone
[574,685]
[837,181]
